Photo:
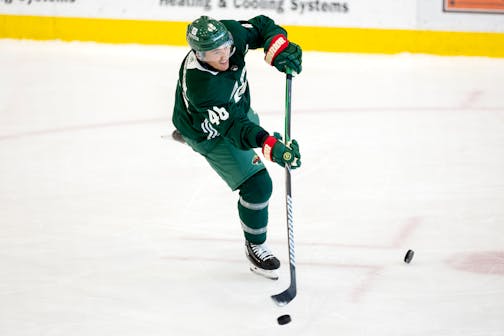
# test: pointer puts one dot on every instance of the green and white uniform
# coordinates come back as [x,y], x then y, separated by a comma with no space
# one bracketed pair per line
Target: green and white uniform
[212,112]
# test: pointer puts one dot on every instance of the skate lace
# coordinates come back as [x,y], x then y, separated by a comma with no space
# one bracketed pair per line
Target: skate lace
[262,251]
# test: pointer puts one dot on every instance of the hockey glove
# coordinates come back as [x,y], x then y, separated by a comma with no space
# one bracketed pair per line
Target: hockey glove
[275,150]
[283,54]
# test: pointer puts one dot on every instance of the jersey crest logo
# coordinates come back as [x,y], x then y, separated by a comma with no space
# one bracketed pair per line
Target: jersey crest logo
[256,160]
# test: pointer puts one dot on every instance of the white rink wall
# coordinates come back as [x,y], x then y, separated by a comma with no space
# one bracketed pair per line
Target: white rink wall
[385,14]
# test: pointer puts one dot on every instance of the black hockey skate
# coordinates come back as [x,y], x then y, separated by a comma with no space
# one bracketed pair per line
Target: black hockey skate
[177,136]
[262,261]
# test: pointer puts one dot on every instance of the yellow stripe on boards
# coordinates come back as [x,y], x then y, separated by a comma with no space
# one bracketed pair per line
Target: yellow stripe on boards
[88,29]
[361,40]
[389,41]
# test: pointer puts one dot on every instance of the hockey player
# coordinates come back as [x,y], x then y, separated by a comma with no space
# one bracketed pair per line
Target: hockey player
[212,114]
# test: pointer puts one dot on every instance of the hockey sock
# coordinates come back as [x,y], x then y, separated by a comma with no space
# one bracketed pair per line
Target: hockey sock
[253,206]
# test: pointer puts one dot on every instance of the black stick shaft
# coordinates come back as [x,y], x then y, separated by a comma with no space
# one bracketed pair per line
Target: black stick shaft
[290,293]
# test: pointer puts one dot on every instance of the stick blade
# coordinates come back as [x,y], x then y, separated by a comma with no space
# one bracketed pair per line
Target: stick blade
[284,297]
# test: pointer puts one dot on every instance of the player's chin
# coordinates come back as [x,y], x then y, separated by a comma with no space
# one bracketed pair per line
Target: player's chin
[223,66]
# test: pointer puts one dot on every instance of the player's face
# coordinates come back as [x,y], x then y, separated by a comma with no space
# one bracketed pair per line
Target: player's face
[218,58]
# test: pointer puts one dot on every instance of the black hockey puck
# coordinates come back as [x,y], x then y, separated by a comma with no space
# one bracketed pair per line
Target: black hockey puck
[409,255]
[284,319]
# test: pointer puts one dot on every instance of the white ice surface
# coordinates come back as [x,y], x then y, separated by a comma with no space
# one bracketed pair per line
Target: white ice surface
[106,228]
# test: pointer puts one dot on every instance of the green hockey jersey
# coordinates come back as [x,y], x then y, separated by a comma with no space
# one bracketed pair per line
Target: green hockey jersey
[210,103]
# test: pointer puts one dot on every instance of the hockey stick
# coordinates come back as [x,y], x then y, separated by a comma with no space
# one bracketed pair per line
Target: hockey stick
[287,295]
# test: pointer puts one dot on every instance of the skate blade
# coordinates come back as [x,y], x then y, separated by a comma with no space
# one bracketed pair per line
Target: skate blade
[269,274]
